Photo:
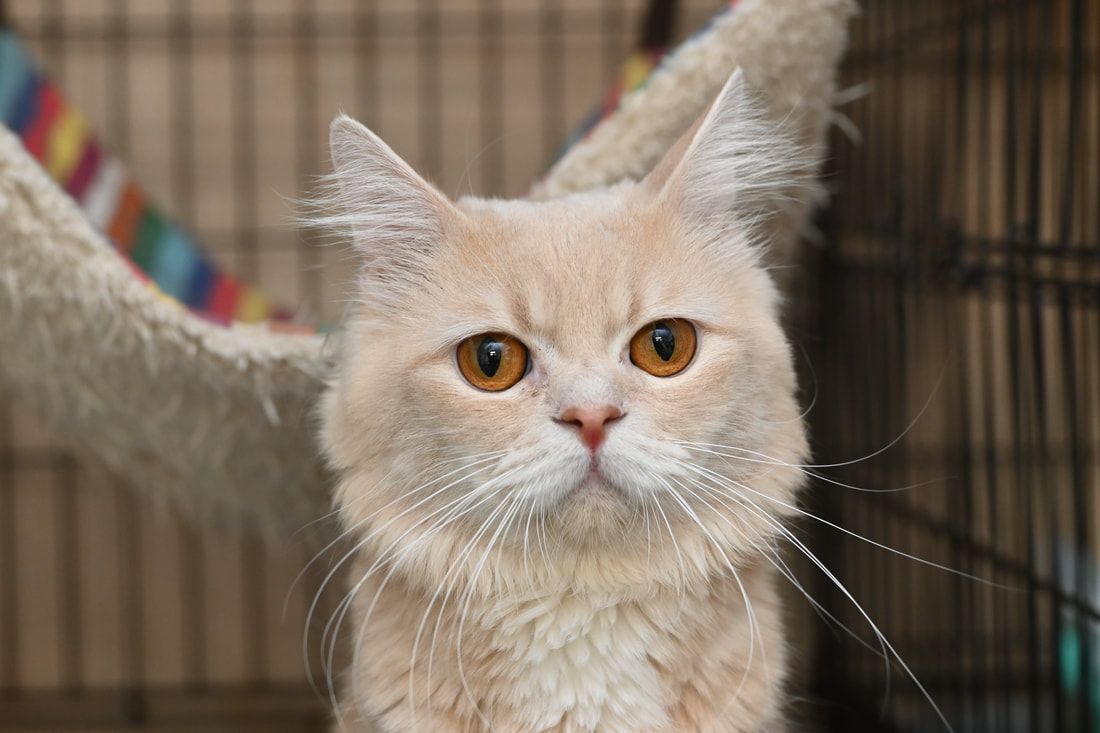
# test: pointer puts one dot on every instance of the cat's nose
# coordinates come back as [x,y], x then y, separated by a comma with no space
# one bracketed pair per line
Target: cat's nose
[591,422]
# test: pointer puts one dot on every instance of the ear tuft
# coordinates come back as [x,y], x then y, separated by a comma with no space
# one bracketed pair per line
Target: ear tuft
[735,168]
[394,218]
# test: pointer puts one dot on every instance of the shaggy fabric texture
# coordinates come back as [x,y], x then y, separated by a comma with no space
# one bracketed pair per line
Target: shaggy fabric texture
[58,135]
[218,422]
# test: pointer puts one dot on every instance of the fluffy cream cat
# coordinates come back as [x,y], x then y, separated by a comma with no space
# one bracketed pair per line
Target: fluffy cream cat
[565,433]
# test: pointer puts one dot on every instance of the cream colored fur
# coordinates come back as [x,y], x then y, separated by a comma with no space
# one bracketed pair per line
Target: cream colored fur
[498,585]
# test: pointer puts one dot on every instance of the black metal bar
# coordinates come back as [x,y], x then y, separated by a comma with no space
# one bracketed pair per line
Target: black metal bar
[9,564]
[246,245]
[552,82]
[491,90]
[130,552]
[659,25]
[429,86]
[307,103]
[367,97]
[1082,580]
[1017,450]
[1040,32]
[193,633]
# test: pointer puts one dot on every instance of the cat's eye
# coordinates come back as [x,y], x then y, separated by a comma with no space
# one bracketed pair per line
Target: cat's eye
[492,361]
[664,348]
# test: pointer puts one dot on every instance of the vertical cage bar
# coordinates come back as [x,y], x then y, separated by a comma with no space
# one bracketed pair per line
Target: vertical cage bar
[551,50]
[130,553]
[307,132]
[429,86]
[182,150]
[490,91]
[246,243]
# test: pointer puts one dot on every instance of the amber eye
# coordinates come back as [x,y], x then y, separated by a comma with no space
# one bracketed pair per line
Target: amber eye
[492,361]
[663,348]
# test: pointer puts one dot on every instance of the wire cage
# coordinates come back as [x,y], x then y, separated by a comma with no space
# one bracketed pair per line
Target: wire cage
[950,322]
[956,342]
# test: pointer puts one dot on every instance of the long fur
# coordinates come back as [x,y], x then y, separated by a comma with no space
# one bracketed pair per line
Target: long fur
[497,585]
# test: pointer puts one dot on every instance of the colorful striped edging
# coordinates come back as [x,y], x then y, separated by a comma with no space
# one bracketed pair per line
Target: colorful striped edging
[634,73]
[57,135]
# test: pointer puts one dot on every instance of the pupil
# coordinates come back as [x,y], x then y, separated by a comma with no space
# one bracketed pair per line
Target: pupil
[664,343]
[489,354]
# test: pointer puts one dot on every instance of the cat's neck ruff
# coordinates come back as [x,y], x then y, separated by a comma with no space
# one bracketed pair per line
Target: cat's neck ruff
[675,661]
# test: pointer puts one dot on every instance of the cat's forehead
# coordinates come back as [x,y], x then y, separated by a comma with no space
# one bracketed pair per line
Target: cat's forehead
[580,228]
[583,267]
[545,267]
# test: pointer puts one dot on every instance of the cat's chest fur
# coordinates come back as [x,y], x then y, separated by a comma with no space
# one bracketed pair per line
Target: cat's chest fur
[564,663]
[587,664]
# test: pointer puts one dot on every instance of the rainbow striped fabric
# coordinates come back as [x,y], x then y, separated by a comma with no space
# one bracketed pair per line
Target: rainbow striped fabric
[161,250]
[632,75]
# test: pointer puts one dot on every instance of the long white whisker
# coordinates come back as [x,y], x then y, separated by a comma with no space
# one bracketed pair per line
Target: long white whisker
[328,578]
[486,456]
[370,536]
[457,512]
[845,530]
[880,451]
[754,628]
[470,587]
[772,555]
[448,582]
[790,536]
[770,461]
[452,511]
[526,537]
[675,545]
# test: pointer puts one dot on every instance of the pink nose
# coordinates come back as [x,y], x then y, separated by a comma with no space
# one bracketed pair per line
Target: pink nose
[591,422]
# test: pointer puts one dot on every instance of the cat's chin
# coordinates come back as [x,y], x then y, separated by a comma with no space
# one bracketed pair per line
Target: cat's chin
[594,487]
[595,503]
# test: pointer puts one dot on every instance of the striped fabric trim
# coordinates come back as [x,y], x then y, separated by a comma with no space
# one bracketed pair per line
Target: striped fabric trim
[634,73]
[58,136]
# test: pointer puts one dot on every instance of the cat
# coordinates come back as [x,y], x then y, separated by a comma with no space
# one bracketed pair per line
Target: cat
[567,435]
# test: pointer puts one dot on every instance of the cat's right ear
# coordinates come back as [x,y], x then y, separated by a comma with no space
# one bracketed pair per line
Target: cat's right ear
[394,217]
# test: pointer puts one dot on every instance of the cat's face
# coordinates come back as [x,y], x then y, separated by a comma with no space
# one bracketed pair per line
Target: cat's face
[599,374]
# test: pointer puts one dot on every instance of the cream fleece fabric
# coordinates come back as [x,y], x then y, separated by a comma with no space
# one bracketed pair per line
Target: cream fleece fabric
[218,422]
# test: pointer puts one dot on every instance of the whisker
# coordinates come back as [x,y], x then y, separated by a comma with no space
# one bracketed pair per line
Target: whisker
[754,628]
[448,582]
[486,456]
[764,548]
[793,539]
[455,513]
[897,439]
[845,530]
[675,545]
[452,511]
[328,578]
[470,585]
[806,469]
[370,536]
[466,506]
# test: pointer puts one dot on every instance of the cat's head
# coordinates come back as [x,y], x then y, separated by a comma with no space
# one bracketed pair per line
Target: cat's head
[594,390]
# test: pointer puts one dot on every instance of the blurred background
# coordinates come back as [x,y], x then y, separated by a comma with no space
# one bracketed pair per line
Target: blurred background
[947,321]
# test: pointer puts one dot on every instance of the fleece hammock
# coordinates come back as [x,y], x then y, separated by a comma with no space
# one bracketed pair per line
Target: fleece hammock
[135,348]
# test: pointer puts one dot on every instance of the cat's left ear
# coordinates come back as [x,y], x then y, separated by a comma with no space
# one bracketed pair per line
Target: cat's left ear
[733,168]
